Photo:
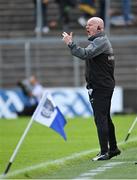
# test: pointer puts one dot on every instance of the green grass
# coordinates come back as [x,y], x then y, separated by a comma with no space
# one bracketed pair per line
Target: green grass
[43,145]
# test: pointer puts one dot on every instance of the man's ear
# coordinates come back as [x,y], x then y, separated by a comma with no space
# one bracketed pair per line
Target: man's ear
[98,28]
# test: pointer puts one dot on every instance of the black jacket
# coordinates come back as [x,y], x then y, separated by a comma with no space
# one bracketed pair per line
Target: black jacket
[99,62]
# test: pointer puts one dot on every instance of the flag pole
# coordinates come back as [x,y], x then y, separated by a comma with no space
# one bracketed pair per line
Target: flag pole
[22,137]
[18,146]
[132,126]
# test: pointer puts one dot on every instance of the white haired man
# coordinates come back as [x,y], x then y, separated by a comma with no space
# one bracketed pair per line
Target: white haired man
[99,62]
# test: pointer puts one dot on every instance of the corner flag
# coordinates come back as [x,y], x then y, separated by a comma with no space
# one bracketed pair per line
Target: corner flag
[48,114]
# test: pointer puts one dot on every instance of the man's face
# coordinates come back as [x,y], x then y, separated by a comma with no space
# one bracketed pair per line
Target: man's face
[91,28]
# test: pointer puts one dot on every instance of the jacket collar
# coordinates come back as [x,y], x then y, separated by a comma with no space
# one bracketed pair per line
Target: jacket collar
[91,38]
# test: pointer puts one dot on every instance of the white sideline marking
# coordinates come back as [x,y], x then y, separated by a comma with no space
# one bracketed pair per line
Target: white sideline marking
[91,173]
[53,162]
[58,161]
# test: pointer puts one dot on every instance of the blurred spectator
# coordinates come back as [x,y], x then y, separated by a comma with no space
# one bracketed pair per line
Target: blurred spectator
[127,11]
[88,9]
[34,90]
[64,10]
[45,28]
[102,9]
[25,86]
[126,18]
[37,88]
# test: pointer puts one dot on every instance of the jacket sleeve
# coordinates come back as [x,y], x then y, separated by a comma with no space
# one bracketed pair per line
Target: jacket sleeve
[96,47]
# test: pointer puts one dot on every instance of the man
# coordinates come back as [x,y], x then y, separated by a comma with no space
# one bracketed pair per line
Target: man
[64,12]
[99,62]
[44,5]
[34,91]
[37,89]
[88,8]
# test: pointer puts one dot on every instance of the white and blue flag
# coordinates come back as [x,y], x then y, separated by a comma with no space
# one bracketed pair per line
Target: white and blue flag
[48,114]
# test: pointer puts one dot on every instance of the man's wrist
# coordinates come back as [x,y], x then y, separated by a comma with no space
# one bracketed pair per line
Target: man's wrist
[70,43]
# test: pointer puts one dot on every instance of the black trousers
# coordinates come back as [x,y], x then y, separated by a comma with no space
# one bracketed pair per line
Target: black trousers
[101,102]
[64,12]
[44,13]
[102,7]
[27,111]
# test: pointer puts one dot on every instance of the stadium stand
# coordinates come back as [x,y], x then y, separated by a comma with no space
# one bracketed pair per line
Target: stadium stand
[48,58]
[17,18]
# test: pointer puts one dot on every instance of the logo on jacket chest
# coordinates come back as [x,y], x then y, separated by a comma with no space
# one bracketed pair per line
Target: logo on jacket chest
[111,58]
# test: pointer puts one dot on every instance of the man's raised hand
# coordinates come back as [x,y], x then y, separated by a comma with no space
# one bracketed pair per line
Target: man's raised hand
[67,38]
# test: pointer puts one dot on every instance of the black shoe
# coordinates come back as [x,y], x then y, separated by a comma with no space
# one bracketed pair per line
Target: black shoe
[116,152]
[101,157]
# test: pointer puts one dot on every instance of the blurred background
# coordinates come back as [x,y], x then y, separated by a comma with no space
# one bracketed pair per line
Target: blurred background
[31,44]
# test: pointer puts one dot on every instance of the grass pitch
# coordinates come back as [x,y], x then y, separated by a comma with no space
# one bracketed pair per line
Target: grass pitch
[44,154]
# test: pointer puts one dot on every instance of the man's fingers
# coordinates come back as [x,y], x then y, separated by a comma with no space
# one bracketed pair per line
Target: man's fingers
[64,34]
[71,34]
